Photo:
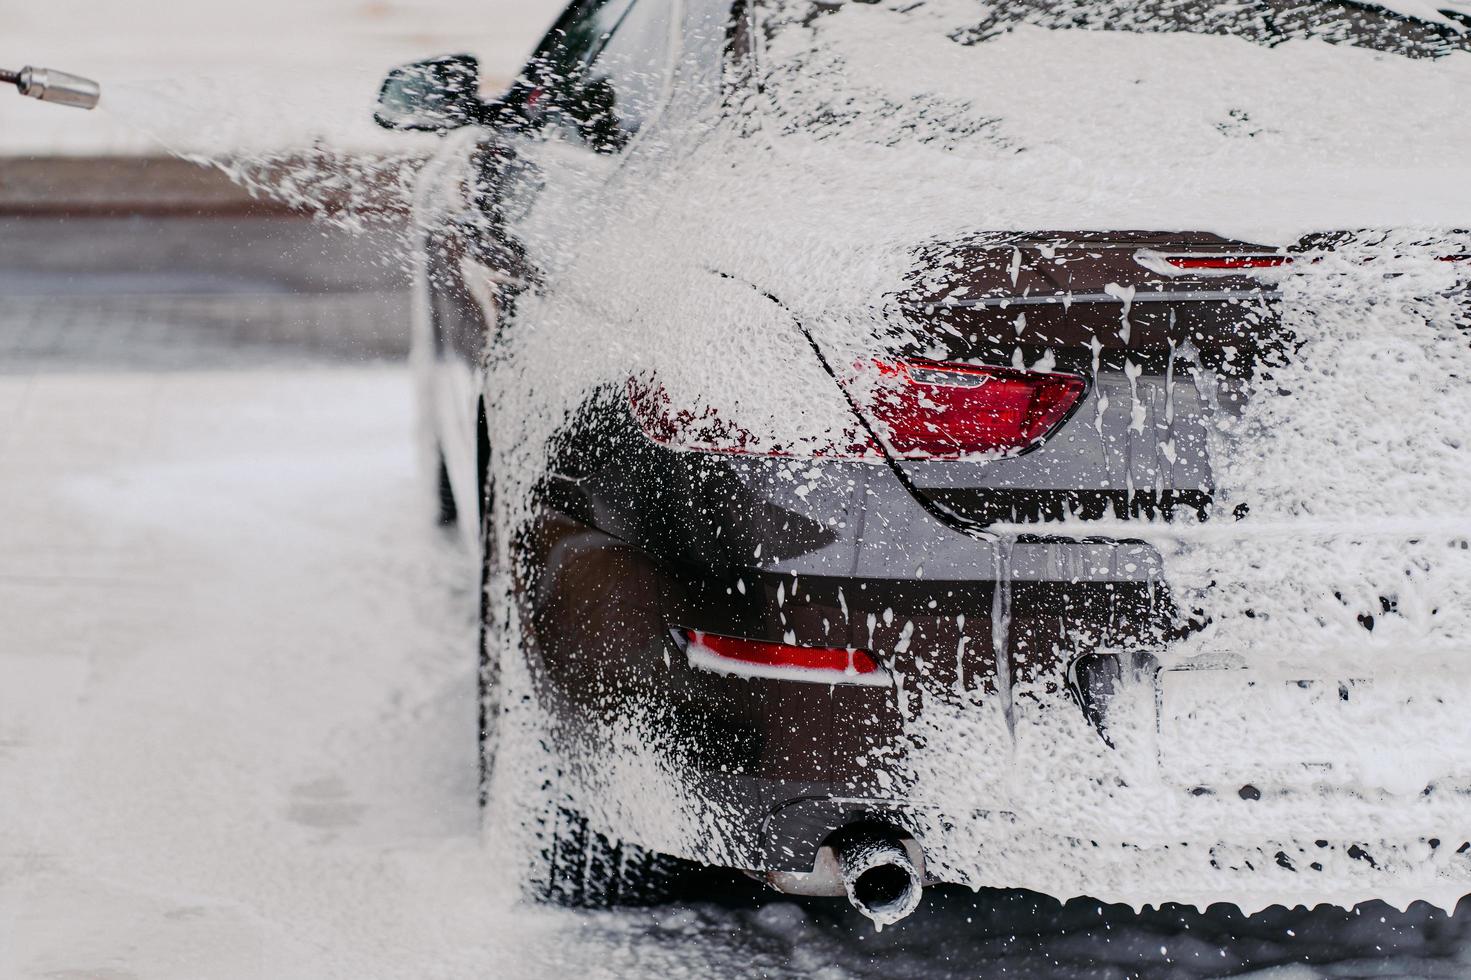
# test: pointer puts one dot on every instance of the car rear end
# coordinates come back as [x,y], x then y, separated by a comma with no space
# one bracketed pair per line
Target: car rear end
[1136,567]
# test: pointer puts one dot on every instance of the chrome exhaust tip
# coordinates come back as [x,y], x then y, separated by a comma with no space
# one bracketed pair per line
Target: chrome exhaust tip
[879,876]
[50,85]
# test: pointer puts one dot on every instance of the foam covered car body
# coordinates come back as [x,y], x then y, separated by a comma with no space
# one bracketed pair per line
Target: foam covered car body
[981,424]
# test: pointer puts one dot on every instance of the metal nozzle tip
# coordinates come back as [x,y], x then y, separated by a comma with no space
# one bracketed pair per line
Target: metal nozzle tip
[50,85]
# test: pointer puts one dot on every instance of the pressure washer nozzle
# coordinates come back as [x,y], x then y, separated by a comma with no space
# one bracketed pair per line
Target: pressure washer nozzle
[50,85]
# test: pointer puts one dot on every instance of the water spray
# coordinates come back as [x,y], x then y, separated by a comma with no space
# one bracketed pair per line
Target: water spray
[50,85]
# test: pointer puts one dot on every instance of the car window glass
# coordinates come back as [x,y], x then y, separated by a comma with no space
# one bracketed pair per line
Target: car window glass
[555,75]
[571,46]
[1266,22]
[628,76]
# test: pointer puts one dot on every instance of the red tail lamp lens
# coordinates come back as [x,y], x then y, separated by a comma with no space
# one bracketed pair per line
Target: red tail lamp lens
[781,661]
[1227,262]
[682,428]
[707,429]
[930,410]
[1223,262]
[924,409]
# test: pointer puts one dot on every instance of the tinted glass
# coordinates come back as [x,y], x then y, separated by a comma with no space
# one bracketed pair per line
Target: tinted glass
[561,63]
[603,70]
[1004,77]
[584,37]
[1268,22]
[634,65]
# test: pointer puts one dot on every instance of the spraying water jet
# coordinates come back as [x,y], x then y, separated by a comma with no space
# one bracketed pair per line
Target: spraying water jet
[50,85]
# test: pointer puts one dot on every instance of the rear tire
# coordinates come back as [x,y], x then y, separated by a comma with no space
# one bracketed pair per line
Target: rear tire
[488,675]
[570,864]
[576,867]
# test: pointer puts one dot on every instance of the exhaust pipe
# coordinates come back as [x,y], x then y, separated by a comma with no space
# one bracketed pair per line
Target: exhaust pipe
[50,85]
[878,874]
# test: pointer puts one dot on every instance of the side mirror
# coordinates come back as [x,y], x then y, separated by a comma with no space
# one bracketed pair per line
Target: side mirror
[436,94]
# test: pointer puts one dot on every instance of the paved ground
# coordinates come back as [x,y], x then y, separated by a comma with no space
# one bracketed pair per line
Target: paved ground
[235,678]
[119,186]
[136,293]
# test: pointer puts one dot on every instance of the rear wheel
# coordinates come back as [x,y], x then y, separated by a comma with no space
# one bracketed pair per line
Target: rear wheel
[570,864]
[488,676]
[580,868]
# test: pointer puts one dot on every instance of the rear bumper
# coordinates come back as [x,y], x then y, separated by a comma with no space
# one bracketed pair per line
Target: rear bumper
[768,770]
[1251,857]
[981,749]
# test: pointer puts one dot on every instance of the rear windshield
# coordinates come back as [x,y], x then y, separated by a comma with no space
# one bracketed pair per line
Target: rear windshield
[846,59]
[1428,33]
[1173,113]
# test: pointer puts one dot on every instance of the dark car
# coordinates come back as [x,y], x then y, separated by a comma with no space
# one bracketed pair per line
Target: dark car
[962,442]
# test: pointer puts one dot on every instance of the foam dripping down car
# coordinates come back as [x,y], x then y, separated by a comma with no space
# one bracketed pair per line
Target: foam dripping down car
[1010,444]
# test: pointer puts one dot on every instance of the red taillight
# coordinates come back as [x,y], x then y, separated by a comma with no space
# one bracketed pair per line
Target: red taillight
[709,430]
[923,409]
[930,410]
[781,661]
[1225,262]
